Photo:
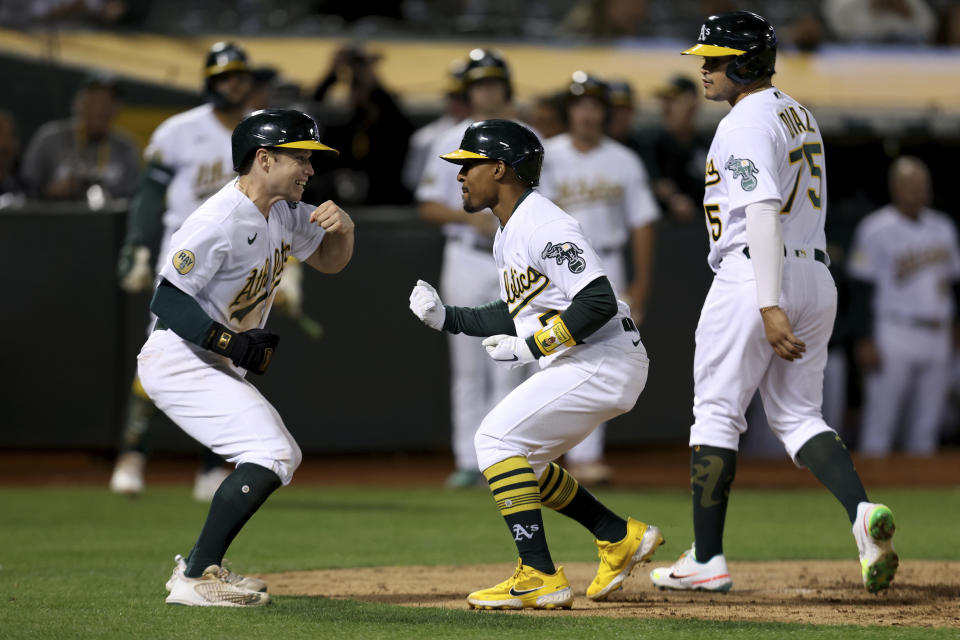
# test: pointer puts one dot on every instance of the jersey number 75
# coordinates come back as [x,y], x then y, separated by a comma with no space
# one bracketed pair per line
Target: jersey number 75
[807,151]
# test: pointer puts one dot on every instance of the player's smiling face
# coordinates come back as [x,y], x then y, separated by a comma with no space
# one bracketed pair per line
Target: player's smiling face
[290,172]
[716,85]
[478,185]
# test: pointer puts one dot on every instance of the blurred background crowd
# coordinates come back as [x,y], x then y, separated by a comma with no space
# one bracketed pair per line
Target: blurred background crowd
[895,157]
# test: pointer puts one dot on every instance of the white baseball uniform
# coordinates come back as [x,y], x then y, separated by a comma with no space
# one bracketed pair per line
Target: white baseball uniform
[544,260]
[230,259]
[196,147]
[912,265]
[468,279]
[768,147]
[607,190]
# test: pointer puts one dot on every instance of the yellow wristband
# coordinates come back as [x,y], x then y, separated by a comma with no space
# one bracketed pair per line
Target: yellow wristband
[553,336]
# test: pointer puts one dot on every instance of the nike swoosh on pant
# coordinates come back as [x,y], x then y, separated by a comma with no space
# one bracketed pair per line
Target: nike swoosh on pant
[507,359]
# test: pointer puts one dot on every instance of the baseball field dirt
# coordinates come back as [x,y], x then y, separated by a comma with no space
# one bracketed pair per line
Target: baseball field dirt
[812,592]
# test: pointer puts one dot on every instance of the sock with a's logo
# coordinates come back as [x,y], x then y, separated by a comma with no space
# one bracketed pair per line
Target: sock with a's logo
[561,492]
[517,495]
[711,474]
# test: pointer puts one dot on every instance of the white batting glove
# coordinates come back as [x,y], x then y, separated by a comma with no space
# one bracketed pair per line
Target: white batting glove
[509,351]
[426,305]
[290,290]
[140,276]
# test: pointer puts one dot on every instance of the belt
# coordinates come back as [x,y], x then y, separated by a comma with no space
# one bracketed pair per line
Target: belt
[818,255]
[929,324]
[479,243]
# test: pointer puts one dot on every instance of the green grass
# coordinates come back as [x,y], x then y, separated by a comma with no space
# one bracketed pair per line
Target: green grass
[82,563]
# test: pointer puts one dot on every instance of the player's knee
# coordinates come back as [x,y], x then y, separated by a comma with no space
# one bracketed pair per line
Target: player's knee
[492,449]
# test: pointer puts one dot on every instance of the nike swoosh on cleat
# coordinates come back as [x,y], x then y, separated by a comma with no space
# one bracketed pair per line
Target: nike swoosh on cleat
[516,593]
[676,577]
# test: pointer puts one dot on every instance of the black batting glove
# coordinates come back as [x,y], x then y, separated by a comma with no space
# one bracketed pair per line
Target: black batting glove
[252,350]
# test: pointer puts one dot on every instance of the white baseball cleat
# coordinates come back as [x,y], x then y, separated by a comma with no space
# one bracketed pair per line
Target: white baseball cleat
[211,590]
[127,478]
[689,575]
[873,530]
[207,483]
[244,582]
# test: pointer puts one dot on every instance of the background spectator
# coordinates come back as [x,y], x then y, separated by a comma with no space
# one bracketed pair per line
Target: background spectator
[67,157]
[372,137]
[676,151]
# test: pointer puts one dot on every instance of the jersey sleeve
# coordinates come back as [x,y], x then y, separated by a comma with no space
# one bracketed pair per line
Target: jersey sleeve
[307,236]
[561,252]
[199,250]
[865,254]
[750,160]
[641,206]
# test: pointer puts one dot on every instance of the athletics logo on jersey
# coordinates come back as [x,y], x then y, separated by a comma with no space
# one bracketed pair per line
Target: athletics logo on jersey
[183,261]
[745,169]
[565,251]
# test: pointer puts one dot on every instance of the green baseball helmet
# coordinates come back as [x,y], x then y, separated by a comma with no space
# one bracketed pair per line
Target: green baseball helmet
[504,140]
[286,128]
[742,34]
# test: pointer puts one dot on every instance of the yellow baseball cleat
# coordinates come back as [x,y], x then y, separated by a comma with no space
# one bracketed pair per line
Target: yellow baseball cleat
[527,588]
[617,559]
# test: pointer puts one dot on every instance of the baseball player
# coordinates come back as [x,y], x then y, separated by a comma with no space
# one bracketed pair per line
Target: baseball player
[768,315]
[217,285]
[468,274]
[456,108]
[905,263]
[188,159]
[603,185]
[556,307]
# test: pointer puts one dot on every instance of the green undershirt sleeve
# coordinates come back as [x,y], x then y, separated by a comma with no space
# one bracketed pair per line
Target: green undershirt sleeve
[181,313]
[589,310]
[488,319]
[145,218]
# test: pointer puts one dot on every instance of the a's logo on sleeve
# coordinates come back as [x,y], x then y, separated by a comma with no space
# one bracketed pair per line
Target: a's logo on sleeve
[744,169]
[183,261]
[565,251]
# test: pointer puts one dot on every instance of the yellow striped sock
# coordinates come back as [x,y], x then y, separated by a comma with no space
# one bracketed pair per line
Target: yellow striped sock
[514,485]
[557,487]
[137,389]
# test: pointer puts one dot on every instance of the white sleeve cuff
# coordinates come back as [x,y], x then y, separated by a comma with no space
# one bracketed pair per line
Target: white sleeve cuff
[765,240]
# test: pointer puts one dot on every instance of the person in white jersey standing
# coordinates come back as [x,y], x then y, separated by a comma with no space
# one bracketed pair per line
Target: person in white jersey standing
[769,313]
[905,264]
[604,186]
[217,285]
[557,308]
[468,276]
[187,160]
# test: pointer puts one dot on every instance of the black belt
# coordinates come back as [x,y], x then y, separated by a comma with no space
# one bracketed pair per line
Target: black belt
[929,324]
[819,256]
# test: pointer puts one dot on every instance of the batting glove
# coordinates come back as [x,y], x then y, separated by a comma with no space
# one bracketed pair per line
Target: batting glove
[509,351]
[134,269]
[426,305]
